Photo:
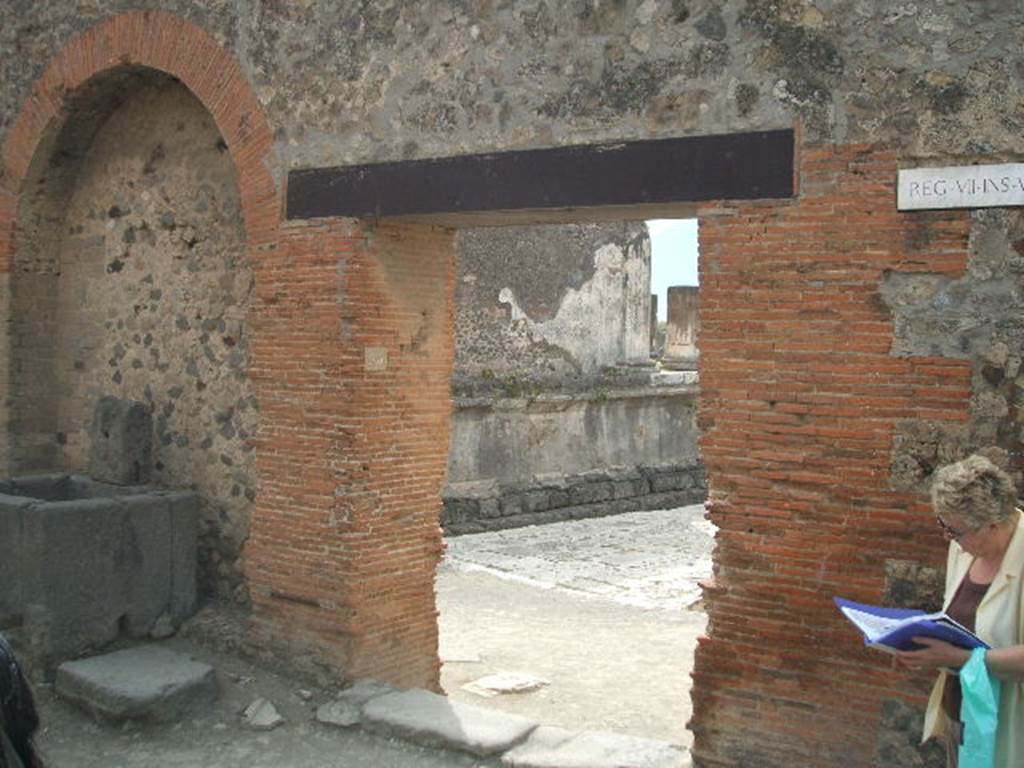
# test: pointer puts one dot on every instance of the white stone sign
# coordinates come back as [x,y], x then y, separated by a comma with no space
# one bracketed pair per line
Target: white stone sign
[965,186]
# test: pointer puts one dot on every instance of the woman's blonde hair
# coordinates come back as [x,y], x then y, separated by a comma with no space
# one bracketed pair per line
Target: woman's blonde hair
[974,490]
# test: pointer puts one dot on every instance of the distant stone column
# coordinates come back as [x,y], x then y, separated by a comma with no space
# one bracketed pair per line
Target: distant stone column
[683,324]
[636,323]
[655,351]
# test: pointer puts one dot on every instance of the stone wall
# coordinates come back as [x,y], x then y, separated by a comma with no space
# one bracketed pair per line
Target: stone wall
[833,395]
[549,308]
[556,416]
[131,280]
[523,461]
[682,327]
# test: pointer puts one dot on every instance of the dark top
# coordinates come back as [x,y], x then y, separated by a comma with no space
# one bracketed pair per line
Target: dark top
[962,608]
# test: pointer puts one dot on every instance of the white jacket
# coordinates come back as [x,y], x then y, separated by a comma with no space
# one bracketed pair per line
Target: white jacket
[1000,623]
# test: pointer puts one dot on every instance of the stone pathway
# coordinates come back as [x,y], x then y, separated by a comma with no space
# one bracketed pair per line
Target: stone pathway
[644,559]
[519,604]
[147,683]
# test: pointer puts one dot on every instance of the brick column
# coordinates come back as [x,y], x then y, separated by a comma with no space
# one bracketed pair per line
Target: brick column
[799,399]
[353,365]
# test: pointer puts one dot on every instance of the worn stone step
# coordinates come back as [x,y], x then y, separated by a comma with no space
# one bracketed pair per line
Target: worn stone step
[437,721]
[146,683]
[550,747]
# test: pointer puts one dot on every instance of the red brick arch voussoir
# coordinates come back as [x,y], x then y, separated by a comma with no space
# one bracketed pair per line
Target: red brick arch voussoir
[169,44]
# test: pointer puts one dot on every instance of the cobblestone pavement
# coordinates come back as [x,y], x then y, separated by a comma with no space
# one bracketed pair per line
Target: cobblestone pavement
[644,559]
[606,610]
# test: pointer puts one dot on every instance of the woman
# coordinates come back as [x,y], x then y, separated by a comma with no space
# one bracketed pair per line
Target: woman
[18,718]
[974,505]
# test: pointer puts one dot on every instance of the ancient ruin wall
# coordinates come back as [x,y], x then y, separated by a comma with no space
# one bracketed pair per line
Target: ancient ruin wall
[549,308]
[131,280]
[347,83]
[932,83]
[803,393]
[556,415]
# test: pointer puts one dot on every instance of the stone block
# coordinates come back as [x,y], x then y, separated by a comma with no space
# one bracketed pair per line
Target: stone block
[490,508]
[147,522]
[626,489]
[511,504]
[669,481]
[555,748]
[88,568]
[437,721]
[75,568]
[12,509]
[540,500]
[591,492]
[121,438]
[147,683]
[183,509]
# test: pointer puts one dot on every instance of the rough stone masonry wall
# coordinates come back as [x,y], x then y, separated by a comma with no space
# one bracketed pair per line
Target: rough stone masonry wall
[524,461]
[316,83]
[131,280]
[549,308]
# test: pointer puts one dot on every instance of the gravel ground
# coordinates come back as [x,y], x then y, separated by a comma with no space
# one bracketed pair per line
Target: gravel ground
[217,738]
[604,610]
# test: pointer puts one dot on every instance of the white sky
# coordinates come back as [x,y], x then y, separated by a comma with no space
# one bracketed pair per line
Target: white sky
[673,257]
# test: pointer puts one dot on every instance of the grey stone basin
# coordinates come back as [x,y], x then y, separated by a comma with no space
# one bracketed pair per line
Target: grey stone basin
[82,562]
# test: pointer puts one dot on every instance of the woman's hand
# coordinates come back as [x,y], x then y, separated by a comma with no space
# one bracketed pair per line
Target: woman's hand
[935,654]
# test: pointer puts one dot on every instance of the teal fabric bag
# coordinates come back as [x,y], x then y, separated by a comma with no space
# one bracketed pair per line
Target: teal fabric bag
[979,713]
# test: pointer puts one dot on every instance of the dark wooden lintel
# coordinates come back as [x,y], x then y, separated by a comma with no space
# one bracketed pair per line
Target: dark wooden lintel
[660,172]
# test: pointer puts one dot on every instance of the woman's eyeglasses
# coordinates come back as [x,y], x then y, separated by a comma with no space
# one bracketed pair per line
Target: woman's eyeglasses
[949,530]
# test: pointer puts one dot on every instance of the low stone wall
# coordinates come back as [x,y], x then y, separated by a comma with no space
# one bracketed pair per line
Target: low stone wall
[471,509]
[526,460]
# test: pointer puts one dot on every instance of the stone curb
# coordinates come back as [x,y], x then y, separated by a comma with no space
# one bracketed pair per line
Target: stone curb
[433,720]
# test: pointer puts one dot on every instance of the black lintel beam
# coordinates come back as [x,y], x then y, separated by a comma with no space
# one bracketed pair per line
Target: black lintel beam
[734,166]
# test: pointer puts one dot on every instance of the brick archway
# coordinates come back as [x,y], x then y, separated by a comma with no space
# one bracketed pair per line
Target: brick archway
[155,42]
[160,41]
[350,360]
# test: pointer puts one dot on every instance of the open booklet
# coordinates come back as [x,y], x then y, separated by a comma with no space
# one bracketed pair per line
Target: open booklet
[893,629]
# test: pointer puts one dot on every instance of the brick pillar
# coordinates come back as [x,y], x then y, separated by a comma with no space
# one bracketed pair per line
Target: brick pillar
[354,356]
[800,396]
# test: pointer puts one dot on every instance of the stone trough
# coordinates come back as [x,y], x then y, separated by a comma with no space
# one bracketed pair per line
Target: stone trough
[83,562]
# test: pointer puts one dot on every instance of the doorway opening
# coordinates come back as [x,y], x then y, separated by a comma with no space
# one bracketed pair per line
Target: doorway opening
[574,501]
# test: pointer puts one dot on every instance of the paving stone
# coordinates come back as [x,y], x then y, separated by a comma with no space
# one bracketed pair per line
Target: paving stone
[505,682]
[543,740]
[145,683]
[343,714]
[361,691]
[434,720]
[261,715]
[593,749]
